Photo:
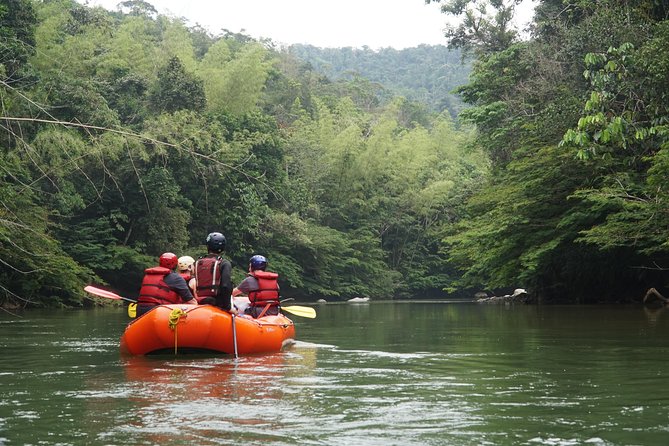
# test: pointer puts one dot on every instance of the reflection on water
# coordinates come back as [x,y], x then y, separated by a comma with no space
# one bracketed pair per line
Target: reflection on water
[208,400]
[373,374]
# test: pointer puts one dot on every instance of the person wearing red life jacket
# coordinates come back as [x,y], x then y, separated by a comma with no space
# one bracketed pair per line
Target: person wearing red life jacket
[262,287]
[185,269]
[161,286]
[213,275]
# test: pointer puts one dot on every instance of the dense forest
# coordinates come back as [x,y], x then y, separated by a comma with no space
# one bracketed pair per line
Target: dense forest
[428,74]
[574,121]
[126,134]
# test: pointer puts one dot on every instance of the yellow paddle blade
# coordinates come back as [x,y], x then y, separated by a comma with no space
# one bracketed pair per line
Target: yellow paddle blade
[298,310]
[132,310]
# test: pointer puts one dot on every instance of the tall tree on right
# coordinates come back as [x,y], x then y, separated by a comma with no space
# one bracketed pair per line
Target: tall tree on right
[569,168]
[484,26]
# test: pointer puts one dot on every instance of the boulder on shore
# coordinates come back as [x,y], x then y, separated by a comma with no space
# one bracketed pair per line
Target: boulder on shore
[519,295]
[358,299]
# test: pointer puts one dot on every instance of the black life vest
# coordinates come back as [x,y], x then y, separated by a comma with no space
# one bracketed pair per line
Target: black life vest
[154,290]
[208,275]
[268,289]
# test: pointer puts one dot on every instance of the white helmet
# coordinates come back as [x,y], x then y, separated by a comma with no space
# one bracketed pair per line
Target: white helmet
[185,262]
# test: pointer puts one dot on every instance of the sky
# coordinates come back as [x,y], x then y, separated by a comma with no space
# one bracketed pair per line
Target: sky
[324,23]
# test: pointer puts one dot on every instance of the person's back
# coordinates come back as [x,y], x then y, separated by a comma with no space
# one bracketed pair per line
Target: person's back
[162,286]
[262,288]
[213,275]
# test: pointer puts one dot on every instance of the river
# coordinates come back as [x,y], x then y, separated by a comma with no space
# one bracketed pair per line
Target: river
[392,373]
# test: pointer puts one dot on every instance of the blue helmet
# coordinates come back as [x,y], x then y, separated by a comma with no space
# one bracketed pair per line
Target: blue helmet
[258,262]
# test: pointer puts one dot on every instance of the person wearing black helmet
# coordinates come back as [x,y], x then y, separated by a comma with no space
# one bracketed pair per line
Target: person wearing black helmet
[161,286]
[212,275]
[262,287]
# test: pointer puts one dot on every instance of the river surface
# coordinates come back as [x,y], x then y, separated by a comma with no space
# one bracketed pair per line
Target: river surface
[419,373]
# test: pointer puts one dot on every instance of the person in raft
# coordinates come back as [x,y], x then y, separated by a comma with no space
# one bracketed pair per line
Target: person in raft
[212,275]
[262,287]
[161,286]
[185,268]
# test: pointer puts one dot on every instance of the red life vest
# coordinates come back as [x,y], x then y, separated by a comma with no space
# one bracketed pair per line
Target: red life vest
[154,290]
[187,276]
[268,289]
[208,275]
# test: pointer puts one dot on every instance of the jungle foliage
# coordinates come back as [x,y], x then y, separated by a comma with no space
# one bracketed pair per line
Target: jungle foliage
[127,134]
[574,120]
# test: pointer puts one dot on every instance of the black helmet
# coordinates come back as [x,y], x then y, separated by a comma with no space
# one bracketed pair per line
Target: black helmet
[258,262]
[216,242]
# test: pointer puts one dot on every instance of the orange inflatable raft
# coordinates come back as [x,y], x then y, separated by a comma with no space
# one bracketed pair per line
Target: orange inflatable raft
[201,328]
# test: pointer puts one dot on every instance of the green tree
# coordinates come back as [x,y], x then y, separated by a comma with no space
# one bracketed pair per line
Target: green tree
[484,26]
[528,226]
[134,46]
[177,42]
[234,84]
[17,28]
[623,130]
[177,89]
[138,8]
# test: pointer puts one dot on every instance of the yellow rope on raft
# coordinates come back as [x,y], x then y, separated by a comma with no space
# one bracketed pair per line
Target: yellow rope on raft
[175,317]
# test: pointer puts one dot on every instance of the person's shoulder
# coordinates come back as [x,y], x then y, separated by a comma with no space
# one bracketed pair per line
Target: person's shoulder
[174,276]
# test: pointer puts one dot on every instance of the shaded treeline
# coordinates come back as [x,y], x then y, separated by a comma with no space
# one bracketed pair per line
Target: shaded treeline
[574,120]
[128,134]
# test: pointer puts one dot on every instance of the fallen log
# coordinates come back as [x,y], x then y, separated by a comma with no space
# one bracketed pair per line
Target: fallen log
[653,296]
[519,295]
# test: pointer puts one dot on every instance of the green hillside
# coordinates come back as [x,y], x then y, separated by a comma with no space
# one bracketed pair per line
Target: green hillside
[426,74]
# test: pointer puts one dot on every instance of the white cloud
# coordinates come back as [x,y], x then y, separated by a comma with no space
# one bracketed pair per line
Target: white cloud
[375,23]
[325,23]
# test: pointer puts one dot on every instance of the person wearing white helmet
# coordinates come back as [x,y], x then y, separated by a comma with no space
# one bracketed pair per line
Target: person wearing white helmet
[185,268]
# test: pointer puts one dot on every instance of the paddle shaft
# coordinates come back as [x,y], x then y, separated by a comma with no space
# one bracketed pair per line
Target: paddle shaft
[127,299]
[234,335]
[108,294]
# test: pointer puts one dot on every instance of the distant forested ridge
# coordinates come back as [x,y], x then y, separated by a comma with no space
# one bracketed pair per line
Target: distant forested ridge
[428,74]
[127,134]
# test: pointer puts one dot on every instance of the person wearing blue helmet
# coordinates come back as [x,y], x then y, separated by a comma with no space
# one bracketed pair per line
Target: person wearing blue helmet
[261,287]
